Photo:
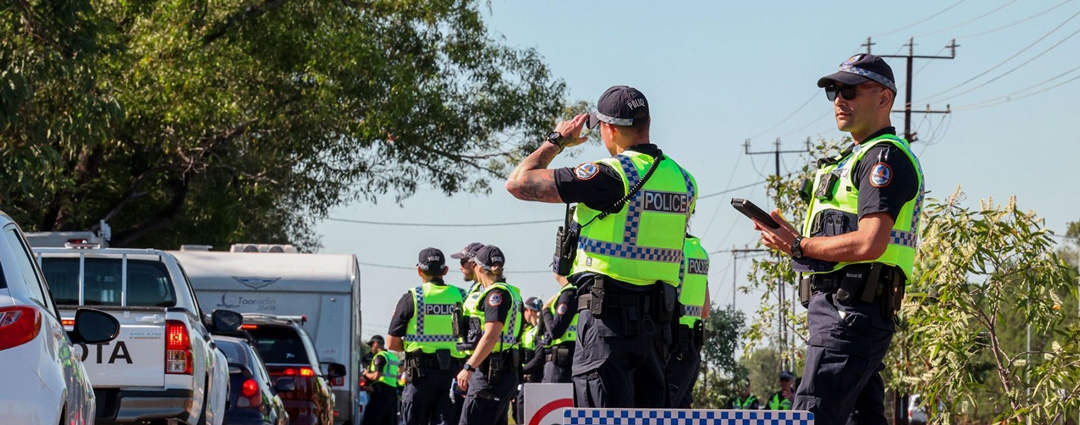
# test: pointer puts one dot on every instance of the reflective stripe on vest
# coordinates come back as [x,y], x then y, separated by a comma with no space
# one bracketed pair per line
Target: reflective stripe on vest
[617,247]
[775,403]
[571,331]
[529,337]
[904,236]
[508,338]
[429,331]
[694,275]
[389,373]
[745,404]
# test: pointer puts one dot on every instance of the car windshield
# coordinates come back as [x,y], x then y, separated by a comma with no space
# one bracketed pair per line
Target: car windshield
[148,283]
[279,344]
[234,351]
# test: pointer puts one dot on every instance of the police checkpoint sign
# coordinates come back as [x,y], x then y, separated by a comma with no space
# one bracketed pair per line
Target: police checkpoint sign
[544,403]
[685,417]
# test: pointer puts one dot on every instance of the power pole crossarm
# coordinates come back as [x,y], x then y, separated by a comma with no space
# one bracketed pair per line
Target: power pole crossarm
[910,56]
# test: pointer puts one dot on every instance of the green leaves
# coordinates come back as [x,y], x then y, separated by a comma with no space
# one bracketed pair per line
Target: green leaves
[182,120]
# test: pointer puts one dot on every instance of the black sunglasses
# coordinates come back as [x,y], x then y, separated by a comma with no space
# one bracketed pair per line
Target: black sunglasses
[848,92]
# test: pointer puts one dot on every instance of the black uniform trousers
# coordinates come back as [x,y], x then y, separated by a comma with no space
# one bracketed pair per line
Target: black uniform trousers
[426,399]
[842,382]
[619,360]
[487,403]
[683,368]
[556,374]
[382,407]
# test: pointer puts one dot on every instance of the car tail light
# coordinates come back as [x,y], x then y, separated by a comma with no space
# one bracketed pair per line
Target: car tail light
[249,326]
[292,371]
[18,326]
[67,322]
[249,394]
[306,371]
[177,348]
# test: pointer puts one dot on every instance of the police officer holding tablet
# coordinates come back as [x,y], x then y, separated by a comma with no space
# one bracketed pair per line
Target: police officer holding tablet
[857,246]
[622,248]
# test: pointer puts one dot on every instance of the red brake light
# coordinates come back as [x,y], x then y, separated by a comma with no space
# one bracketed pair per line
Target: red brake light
[290,371]
[250,387]
[67,322]
[249,326]
[178,359]
[306,371]
[18,325]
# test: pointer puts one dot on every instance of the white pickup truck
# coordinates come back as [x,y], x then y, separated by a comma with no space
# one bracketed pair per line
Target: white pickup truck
[163,367]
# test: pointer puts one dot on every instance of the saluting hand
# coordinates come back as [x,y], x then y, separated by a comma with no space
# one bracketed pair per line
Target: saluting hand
[572,130]
[779,239]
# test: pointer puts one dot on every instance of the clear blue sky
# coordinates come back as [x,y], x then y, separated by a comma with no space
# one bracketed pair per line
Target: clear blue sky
[717,73]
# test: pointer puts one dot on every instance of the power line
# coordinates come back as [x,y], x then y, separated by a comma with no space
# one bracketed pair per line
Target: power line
[921,20]
[727,185]
[1017,22]
[969,20]
[792,114]
[1026,95]
[731,190]
[387,223]
[908,135]
[1029,46]
[1007,96]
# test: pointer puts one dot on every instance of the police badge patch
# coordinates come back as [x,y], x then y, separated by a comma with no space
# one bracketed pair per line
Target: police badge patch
[495,300]
[586,171]
[561,309]
[880,175]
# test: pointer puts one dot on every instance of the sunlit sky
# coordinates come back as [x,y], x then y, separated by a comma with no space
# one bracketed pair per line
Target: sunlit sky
[718,73]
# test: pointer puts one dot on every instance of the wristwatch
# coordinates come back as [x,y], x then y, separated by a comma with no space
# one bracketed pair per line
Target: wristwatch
[469,367]
[555,138]
[796,248]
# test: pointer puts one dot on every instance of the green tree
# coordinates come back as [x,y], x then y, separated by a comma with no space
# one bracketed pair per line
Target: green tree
[215,122]
[723,333]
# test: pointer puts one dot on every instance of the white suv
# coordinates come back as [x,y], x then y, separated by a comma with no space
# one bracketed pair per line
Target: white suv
[44,379]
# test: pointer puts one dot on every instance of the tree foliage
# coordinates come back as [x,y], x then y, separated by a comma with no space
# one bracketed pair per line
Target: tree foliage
[215,122]
[723,332]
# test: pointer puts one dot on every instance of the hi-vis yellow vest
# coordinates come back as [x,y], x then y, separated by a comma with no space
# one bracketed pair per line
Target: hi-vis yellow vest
[643,242]
[430,328]
[389,373]
[904,236]
[571,331]
[508,338]
[695,278]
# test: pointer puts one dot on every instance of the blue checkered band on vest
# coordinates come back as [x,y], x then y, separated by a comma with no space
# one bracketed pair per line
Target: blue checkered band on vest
[869,74]
[685,417]
[910,239]
[629,248]
[692,310]
[418,296]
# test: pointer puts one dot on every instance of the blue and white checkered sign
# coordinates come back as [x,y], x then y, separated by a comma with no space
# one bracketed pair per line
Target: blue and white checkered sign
[685,417]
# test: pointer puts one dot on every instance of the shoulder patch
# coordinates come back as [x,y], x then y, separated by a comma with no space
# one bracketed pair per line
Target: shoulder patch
[586,171]
[495,299]
[880,175]
[561,309]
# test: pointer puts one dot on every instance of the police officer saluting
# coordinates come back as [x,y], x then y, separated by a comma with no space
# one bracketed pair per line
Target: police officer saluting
[781,400]
[694,296]
[490,374]
[857,246]
[561,321]
[423,320]
[383,377]
[622,248]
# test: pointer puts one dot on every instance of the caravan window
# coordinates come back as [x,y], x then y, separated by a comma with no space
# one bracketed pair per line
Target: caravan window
[148,283]
[280,345]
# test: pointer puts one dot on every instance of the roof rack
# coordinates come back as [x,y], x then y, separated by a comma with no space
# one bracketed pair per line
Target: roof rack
[301,319]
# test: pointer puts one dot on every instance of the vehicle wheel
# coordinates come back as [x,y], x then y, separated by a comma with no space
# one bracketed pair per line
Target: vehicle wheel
[206,401]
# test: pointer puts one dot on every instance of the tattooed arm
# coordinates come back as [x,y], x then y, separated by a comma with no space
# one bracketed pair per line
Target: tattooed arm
[531,180]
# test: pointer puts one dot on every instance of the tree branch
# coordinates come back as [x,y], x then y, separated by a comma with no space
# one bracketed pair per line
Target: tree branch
[237,18]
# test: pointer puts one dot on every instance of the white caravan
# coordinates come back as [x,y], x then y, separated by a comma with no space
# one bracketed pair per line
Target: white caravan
[323,287]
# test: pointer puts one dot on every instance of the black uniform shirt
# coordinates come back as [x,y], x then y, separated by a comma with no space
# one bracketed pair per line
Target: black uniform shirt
[496,305]
[593,183]
[565,309]
[886,178]
[399,325]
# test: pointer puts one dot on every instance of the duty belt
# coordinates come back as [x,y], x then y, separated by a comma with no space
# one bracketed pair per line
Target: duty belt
[431,360]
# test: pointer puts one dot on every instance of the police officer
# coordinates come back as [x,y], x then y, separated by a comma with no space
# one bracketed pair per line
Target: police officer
[781,400]
[490,374]
[745,400]
[421,327]
[857,246]
[532,353]
[627,259]
[561,319]
[382,375]
[685,362]
[465,256]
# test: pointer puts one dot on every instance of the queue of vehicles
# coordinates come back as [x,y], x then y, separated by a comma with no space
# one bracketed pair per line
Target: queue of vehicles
[124,336]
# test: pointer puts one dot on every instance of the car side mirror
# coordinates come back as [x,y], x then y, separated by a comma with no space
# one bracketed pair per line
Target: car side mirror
[225,321]
[93,327]
[284,385]
[335,370]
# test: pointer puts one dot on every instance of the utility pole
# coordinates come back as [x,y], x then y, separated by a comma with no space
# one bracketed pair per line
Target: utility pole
[910,56]
[782,329]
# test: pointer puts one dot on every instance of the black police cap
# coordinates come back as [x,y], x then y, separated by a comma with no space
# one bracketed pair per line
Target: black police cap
[490,256]
[859,69]
[469,251]
[620,105]
[430,260]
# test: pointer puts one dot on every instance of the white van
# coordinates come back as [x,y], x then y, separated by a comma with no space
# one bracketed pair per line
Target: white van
[323,287]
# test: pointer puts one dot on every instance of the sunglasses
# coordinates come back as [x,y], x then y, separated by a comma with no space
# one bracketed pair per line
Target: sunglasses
[847,92]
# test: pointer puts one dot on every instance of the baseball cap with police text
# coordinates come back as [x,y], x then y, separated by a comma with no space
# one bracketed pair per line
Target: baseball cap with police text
[469,251]
[430,260]
[490,256]
[859,69]
[620,105]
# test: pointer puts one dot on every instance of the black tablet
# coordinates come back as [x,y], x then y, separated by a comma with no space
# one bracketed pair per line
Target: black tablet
[750,210]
